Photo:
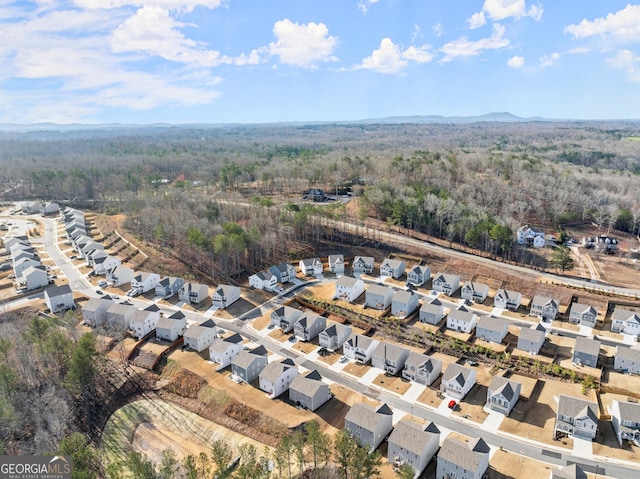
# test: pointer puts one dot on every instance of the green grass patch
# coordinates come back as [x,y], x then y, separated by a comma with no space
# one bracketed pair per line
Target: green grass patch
[633,138]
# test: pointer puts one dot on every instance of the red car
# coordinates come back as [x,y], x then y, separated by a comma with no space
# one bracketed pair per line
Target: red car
[452,404]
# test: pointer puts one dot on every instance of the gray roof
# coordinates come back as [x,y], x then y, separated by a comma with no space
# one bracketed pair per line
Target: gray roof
[418,359]
[412,436]
[467,455]
[503,386]
[360,341]
[621,314]
[309,384]
[456,372]
[335,258]
[388,351]
[587,346]
[54,291]
[347,281]
[94,303]
[393,263]
[569,472]
[403,296]
[631,354]
[379,289]
[629,411]
[264,275]
[370,260]
[273,371]
[492,324]
[225,289]
[583,308]
[508,294]
[543,301]
[311,261]
[220,345]
[195,331]
[139,315]
[573,407]
[245,358]
[531,334]
[167,322]
[334,329]
[419,269]
[309,319]
[480,287]
[447,278]
[367,415]
[461,315]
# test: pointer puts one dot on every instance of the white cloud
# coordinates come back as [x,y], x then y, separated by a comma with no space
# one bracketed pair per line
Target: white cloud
[438,29]
[302,45]
[463,47]
[501,9]
[172,5]
[391,59]
[416,32]
[363,5]
[516,62]
[548,60]
[623,25]
[627,61]
[477,20]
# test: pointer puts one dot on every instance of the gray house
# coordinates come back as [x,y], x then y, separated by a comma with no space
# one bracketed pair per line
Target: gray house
[309,391]
[246,366]
[531,340]
[369,424]
[59,298]
[284,272]
[285,317]
[462,459]
[627,359]
[492,329]
[392,268]
[117,315]
[403,303]
[507,299]
[576,417]
[389,357]
[474,291]
[334,336]
[586,351]
[625,418]
[168,286]
[336,263]
[199,337]
[583,314]
[457,381]
[378,296]
[363,264]
[544,307]
[431,312]
[119,275]
[413,444]
[94,311]
[503,394]
[418,275]
[309,326]
[359,348]
[446,283]
[421,368]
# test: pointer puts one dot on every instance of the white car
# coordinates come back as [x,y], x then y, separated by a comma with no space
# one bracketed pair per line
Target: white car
[102,283]
[343,359]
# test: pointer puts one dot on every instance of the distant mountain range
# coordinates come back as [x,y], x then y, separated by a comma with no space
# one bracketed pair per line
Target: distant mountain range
[500,117]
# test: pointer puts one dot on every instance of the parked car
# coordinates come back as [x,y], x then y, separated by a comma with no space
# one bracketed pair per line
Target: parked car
[452,404]
[102,283]
[472,362]
[100,292]
[343,359]
[73,257]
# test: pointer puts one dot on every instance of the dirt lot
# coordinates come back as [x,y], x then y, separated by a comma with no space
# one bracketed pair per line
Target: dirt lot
[355,369]
[392,383]
[505,465]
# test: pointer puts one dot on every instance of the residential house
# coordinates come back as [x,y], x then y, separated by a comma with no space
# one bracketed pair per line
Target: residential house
[586,351]
[336,263]
[624,321]
[225,295]
[474,291]
[223,350]
[369,424]
[50,208]
[627,359]
[118,315]
[285,318]
[378,296]
[309,391]
[492,329]
[572,471]
[431,312]
[625,418]
[531,340]
[170,328]
[311,266]
[544,308]
[276,377]
[462,459]
[348,288]
[457,381]
[421,369]
[144,282]
[200,336]
[503,394]
[168,286]
[14,240]
[576,417]
[413,444]
[247,365]
[264,280]
[462,320]
[143,321]
[418,275]
[94,311]
[403,303]
[119,275]
[359,348]
[389,357]
[88,248]
[34,277]
[583,314]
[20,266]
[446,283]
[530,236]
[104,263]
[193,293]
[507,299]
[363,264]
[284,272]
[59,298]
[334,336]
[392,268]
[309,326]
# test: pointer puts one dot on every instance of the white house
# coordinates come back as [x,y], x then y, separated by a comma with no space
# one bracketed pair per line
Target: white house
[583,314]
[544,307]
[119,275]
[193,293]
[144,282]
[625,321]
[431,312]
[403,303]
[576,417]
[502,394]
[389,357]
[225,295]
[311,266]
[507,299]
[143,321]
[59,298]
[336,263]
[348,288]
[457,381]
[334,336]
[446,283]
[392,268]
[117,315]
[378,296]
[102,264]
[285,318]
[462,320]
[170,328]
[309,326]
[474,291]
[418,275]
[421,369]
[224,350]
[625,418]
[94,311]
[20,266]
[276,377]
[492,329]
[264,280]
[530,236]
[200,336]
[359,348]
[34,277]
[627,359]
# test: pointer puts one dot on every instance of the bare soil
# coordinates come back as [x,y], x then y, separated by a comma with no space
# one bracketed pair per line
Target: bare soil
[392,383]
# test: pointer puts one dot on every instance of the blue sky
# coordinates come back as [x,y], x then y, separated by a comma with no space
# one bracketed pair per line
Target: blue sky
[246,61]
